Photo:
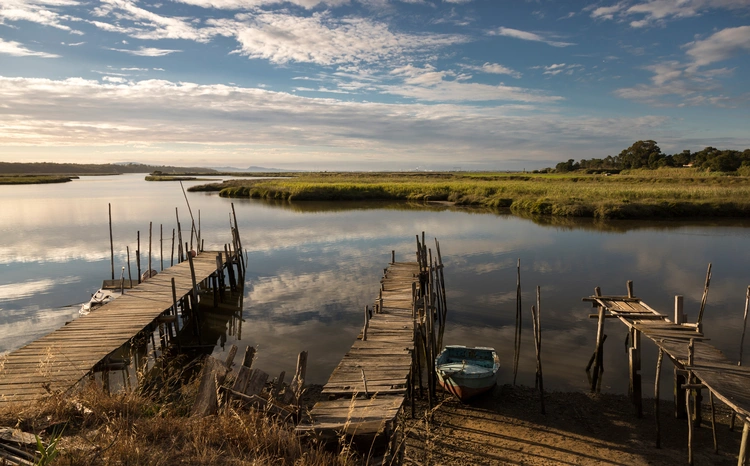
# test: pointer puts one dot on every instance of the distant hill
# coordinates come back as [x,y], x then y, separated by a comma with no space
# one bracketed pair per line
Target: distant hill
[39,168]
[252,169]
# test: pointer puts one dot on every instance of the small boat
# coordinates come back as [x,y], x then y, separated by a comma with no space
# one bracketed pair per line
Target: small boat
[98,299]
[467,372]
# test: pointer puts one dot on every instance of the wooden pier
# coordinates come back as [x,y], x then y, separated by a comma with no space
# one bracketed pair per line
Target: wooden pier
[698,365]
[58,361]
[368,388]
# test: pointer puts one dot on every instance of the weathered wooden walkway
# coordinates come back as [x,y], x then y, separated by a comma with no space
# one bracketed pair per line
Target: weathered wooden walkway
[708,366]
[372,379]
[61,359]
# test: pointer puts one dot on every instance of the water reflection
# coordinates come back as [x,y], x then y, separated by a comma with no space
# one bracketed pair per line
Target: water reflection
[313,266]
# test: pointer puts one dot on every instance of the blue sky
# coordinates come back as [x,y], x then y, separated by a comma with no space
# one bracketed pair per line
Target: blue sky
[369,84]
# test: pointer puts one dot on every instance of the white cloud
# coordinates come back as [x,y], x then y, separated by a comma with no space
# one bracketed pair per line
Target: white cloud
[16,49]
[525,35]
[143,24]
[37,11]
[495,68]
[658,11]
[719,46]
[212,120]
[677,84]
[148,51]
[245,4]
[323,39]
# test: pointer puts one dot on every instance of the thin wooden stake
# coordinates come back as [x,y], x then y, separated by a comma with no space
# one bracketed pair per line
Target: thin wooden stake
[705,296]
[367,324]
[656,397]
[138,256]
[690,427]
[161,247]
[519,322]
[111,243]
[743,445]
[744,324]
[150,227]
[130,278]
[713,421]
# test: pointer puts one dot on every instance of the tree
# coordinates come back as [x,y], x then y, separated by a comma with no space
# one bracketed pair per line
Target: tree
[641,154]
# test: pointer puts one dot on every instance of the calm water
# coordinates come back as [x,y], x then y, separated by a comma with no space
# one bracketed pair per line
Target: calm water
[312,267]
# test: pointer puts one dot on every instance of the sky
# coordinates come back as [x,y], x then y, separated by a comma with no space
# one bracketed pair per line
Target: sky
[369,84]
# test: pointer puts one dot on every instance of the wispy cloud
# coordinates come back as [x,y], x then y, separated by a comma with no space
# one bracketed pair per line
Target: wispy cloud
[16,49]
[525,35]
[659,11]
[140,23]
[323,39]
[719,46]
[42,12]
[147,51]
[495,68]
[158,112]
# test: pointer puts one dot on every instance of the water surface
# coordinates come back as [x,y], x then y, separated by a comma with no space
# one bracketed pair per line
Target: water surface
[312,267]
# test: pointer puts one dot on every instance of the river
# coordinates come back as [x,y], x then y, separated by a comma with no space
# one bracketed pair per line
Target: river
[313,266]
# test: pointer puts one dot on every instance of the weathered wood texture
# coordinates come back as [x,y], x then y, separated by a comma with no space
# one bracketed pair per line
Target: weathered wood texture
[725,379]
[63,357]
[385,357]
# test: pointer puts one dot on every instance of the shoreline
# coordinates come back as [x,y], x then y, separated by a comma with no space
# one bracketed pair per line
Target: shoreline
[663,195]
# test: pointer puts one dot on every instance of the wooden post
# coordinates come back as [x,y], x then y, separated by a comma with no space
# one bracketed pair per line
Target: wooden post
[656,397]
[679,315]
[219,270]
[298,382]
[111,243]
[150,227]
[744,324]
[138,256]
[599,349]
[690,428]
[742,459]
[630,288]
[161,247]
[239,240]
[679,375]
[367,324]
[179,233]
[230,270]
[393,257]
[130,278]
[703,299]
[537,324]
[200,248]
[635,367]
[713,421]
[171,260]
[519,323]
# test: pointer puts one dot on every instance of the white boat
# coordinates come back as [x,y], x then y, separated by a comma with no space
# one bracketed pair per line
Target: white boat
[98,299]
[467,372]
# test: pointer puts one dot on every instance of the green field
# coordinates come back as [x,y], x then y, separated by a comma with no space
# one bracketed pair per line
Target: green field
[671,192]
[34,179]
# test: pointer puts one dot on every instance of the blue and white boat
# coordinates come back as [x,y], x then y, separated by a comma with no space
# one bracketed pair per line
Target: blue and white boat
[467,372]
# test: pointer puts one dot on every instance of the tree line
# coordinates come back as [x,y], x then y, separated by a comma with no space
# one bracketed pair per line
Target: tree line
[46,168]
[648,155]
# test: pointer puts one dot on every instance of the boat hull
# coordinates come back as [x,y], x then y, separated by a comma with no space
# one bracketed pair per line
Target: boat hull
[467,372]
[466,389]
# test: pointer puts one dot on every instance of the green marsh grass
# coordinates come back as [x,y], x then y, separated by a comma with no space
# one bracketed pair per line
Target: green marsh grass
[634,194]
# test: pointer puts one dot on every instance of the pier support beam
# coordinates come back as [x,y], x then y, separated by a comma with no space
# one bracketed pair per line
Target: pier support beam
[634,353]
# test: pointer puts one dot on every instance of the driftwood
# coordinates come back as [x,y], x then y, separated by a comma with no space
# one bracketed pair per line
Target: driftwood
[212,376]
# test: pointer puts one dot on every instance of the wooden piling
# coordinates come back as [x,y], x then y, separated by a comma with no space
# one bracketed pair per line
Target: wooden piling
[393,257]
[634,353]
[519,322]
[230,269]
[536,322]
[679,374]
[630,288]
[171,260]
[150,227]
[138,256]
[161,247]
[713,421]
[111,243]
[742,457]
[599,349]
[656,397]
[690,428]
[179,233]
[744,324]
[367,324]
[130,278]
[704,298]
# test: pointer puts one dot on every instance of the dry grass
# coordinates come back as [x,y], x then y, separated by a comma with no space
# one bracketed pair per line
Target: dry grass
[154,429]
